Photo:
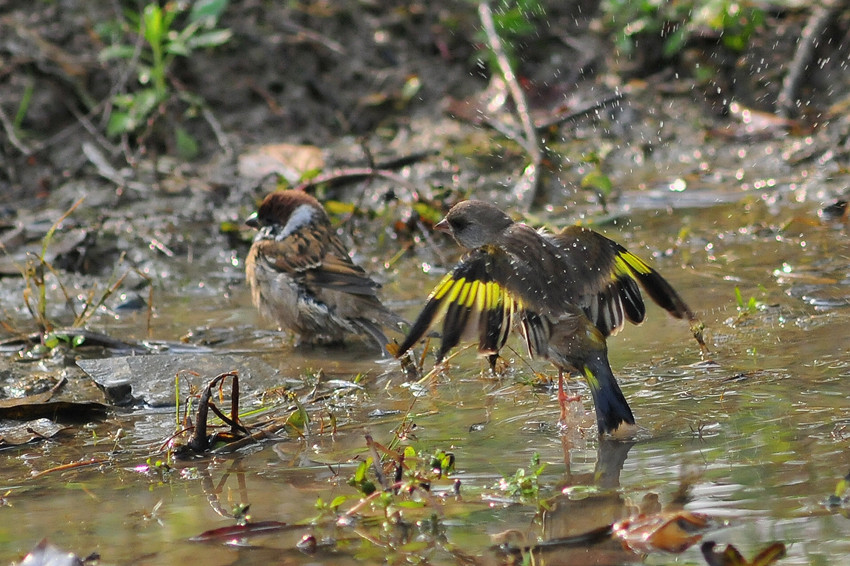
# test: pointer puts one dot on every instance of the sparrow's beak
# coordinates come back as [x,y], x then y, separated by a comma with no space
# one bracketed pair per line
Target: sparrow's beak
[443,226]
[253,221]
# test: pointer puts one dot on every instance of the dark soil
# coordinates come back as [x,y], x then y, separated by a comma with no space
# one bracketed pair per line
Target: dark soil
[333,73]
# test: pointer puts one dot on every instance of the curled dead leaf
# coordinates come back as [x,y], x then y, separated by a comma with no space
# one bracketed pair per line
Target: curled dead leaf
[670,532]
[731,557]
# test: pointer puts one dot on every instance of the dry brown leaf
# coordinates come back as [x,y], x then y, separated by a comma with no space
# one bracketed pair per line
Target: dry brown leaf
[670,532]
[287,160]
[731,557]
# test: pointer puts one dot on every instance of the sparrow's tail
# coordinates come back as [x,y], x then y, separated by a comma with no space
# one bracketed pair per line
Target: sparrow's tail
[375,320]
[375,332]
[612,409]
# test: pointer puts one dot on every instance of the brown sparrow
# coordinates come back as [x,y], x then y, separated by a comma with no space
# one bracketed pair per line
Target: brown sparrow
[569,291]
[302,278]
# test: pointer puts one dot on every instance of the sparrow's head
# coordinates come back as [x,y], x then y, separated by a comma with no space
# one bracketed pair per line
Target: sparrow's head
[284,212]
[474,223]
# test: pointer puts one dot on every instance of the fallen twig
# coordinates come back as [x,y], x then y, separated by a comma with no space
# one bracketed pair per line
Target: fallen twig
[313,36]
[9,128]
[107,171]
[199,441]
[578,114]
[526,191]
[71,466]
[529,142]
[376,462]
[218,131]
[84,121]
[258,434]
[352,175]
[822,15]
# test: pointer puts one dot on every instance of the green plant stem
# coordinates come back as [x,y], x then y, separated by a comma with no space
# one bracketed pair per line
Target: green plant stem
[24,105]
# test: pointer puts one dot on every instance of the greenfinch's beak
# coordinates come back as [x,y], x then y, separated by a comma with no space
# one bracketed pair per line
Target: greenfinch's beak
[253,221]
[443,226]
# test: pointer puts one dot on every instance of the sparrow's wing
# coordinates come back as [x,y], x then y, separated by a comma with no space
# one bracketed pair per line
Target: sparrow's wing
[473,303]
[341,274]
[316,257]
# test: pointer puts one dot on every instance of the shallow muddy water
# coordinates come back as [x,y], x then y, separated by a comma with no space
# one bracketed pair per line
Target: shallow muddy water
[401,109]
[758,438]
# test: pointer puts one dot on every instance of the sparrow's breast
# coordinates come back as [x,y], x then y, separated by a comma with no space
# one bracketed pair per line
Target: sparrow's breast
[275,294]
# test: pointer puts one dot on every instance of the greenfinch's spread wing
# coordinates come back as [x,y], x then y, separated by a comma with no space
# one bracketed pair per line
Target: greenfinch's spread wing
[473,304]
[602,277]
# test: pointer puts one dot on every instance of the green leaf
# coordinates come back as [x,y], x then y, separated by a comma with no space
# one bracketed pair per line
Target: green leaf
[428,212]
[338,208]
[170,12]
[212,38]
[23,106]
[78,340]
[119,123]
[229,227]
[415,547]
[177,48]
[298,419]
[675,42]
[116,52]
[145,101]
[187,146]
[598,181]
[36,352]
[154,29]
[735,42]
[310,174]
[51,340]
[842,485]
[410,504]
[752,304]
[208,10]
[360,473]
[411,88]
[136,108]
[338,500]
[446,461]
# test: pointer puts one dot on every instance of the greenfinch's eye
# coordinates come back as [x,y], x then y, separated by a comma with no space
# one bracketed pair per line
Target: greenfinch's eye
[459,223]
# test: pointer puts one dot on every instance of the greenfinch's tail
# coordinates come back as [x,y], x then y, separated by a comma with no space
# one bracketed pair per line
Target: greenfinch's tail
[612,409]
